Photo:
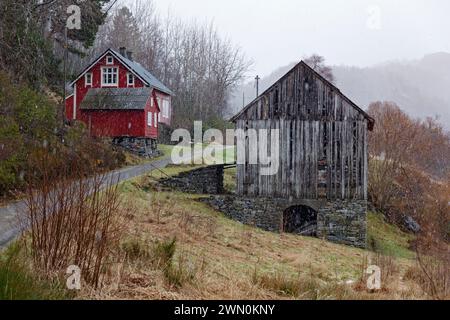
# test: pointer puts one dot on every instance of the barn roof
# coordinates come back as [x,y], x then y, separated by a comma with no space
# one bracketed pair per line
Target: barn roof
[369,118]
[135,67]
[116,99]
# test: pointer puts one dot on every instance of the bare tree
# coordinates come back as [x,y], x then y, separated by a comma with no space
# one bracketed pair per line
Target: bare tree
[317,62]
[192,59]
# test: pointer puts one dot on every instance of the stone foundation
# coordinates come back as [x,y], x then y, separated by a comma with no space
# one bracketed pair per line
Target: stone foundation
[343,221]
[338,221]
[206,180]
[144,147]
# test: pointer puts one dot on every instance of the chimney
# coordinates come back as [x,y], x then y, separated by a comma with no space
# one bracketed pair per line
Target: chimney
[130,55]
[122,51]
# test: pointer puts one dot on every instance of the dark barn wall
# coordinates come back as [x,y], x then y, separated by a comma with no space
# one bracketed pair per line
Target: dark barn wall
[323,140]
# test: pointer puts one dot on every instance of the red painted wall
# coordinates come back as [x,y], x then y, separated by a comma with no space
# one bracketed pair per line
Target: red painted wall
[69,108]
[115,123]
[151,131]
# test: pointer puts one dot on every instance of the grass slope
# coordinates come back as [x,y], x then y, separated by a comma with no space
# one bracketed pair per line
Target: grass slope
[217,258]
[177,247]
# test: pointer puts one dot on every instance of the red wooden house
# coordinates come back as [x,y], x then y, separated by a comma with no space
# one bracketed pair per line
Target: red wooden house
[118,98]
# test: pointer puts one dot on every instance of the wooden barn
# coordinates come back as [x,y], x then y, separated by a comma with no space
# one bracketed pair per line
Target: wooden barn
[118,98]
[323,165]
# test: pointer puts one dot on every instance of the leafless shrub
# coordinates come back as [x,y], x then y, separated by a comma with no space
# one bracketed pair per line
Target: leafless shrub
[387,267]
[432,272]
[71,219]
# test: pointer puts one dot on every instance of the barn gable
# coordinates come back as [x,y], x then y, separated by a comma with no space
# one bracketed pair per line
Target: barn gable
[303,94]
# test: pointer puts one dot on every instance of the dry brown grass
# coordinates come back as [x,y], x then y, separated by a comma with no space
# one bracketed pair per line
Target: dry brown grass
[216,258]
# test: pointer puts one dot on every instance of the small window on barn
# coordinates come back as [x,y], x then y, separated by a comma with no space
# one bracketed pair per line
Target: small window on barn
[149,118]
[109,60]
[110,76]
[130,79]
[88,79]
[156,120]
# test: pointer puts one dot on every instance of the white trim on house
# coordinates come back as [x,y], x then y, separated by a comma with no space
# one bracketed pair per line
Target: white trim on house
[86,83]
[155,120]
[149,118]
[108,62]
[88,68]
[75,102]
[113,73]
[165,108]
[130,76]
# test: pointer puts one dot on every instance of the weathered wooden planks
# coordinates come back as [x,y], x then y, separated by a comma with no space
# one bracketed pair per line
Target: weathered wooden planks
[318,127]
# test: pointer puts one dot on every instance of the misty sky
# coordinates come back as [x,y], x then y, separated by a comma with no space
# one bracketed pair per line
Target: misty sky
[351,32]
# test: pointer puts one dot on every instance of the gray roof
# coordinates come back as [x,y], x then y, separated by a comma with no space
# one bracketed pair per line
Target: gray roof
[143,73]
[116,99]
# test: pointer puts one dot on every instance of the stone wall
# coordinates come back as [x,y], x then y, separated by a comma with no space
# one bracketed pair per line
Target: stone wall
[337,221]
[205,180]
[343,221]
[340,221]
[144,147]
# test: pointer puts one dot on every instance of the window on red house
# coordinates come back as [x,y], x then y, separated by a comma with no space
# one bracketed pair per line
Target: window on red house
[109,76]
[130,79]
[149,118]
[88,79]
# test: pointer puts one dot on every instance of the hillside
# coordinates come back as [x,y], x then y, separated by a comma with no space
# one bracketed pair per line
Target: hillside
[216,258]
[419,87]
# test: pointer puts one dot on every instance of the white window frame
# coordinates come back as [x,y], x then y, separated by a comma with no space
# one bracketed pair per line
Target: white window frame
[158,101]
[108,61]
[86,82]
[155,120]
[165,108]
[130,76]
[149,118]
[116,84]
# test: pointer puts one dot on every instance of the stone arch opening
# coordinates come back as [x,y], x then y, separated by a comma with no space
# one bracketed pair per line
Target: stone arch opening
[300,219]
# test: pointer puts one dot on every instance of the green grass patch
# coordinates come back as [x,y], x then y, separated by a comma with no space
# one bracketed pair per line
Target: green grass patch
[386,238]
[19,282]
[165,149]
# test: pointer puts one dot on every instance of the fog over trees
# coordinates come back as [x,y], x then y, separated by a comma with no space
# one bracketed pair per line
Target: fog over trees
[419,87]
